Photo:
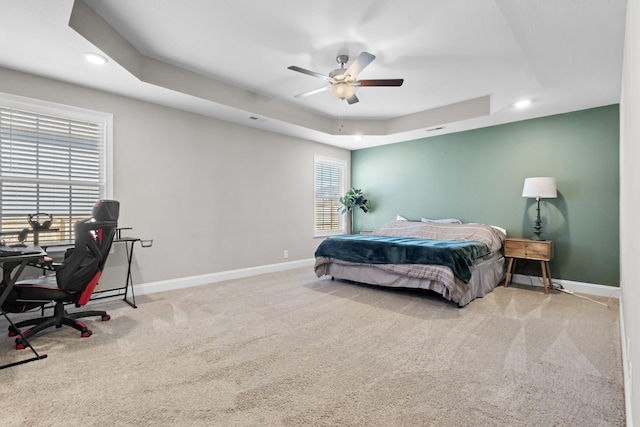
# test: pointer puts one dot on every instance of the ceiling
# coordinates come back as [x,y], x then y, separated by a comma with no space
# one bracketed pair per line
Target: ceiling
[464,62]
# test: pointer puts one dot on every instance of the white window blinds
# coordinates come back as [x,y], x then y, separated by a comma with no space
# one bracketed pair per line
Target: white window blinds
[329,186]
[50,164]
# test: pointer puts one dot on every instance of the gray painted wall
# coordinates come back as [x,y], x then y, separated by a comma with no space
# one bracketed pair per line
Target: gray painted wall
[214,196]
[478,175]
[239,196]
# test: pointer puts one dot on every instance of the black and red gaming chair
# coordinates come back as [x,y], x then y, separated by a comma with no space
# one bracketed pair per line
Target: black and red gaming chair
[75,278]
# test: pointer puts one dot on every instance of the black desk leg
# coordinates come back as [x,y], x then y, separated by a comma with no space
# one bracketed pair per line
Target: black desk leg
[24,340]
[129,281]
[37,356]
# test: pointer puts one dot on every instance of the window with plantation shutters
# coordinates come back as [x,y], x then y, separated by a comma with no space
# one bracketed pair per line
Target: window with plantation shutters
[52,162]
[329,186]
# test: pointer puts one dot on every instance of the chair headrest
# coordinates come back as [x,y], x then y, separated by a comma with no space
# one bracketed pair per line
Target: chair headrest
[106,210]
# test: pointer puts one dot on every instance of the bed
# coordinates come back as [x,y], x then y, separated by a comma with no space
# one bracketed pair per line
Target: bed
[459,261]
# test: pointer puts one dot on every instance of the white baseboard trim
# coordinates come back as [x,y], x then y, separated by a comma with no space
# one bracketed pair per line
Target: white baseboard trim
[570,285]
[187,282]
[626,374]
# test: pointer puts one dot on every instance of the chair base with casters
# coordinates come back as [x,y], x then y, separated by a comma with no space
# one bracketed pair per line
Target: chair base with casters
[74,280]
[59,318]
[36,292]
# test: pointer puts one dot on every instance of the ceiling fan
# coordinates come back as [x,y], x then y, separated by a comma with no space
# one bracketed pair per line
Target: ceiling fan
[343,81]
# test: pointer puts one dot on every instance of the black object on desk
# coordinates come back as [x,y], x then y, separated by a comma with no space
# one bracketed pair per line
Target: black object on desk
[9,261]
[22,235]
[8,251]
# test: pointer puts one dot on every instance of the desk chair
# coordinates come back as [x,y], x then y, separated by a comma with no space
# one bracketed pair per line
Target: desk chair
[74,280]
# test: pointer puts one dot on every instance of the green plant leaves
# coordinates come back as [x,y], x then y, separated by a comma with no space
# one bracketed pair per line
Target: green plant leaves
[354,198]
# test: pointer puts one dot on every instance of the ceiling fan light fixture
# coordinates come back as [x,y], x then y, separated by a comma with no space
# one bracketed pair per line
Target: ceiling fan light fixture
[342,90]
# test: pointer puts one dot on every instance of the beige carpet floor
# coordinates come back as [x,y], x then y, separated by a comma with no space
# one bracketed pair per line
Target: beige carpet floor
[288,349]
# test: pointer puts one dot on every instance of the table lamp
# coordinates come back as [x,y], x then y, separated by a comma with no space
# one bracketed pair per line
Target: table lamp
[539,188]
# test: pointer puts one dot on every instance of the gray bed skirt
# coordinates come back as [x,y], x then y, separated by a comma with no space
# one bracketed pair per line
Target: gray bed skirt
[485,276]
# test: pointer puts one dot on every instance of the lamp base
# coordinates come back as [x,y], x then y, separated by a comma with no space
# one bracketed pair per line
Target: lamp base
[537,228]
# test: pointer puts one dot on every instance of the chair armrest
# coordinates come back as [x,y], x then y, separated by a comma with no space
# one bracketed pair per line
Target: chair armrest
[46,264]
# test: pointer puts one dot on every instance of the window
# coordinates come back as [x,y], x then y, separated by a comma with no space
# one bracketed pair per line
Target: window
[53,161]
[329,186]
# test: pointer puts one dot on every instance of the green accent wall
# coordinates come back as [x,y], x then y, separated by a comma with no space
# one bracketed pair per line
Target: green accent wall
[478,175]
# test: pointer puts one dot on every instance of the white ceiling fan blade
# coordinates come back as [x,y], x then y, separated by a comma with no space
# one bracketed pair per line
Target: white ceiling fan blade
[312,92]
[364,59]
[308,72]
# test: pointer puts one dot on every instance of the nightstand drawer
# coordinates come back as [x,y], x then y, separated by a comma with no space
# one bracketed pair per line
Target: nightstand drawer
[528,249]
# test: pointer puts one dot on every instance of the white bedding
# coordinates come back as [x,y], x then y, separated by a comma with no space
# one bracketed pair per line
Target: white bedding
[485,273]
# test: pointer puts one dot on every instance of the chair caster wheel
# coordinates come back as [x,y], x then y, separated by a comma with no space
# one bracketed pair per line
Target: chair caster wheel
[86,334]
[13,332]
[106,318]
[20,346]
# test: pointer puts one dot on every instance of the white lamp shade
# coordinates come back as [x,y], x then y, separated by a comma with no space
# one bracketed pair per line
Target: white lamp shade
[543,187]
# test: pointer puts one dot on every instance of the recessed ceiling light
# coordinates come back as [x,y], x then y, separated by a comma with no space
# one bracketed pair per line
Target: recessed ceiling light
[523,104]
[94,58]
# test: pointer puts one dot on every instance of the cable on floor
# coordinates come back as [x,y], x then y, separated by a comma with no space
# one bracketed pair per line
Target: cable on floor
[560,288]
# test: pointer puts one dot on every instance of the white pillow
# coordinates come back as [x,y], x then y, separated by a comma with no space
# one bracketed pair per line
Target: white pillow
[443,221]
[500,229]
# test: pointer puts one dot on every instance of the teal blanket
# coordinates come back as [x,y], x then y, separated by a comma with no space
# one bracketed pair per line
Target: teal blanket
[458,255]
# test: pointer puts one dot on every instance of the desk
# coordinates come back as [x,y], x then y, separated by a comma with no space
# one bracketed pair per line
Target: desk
[129,243]
[9,278]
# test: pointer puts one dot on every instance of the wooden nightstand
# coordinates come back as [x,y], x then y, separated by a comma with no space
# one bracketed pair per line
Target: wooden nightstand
[536,250]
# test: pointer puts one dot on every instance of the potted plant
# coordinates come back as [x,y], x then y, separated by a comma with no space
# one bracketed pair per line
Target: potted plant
[353,199]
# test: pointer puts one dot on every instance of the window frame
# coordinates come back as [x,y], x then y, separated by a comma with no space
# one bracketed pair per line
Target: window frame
[104,120]
[343,183]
